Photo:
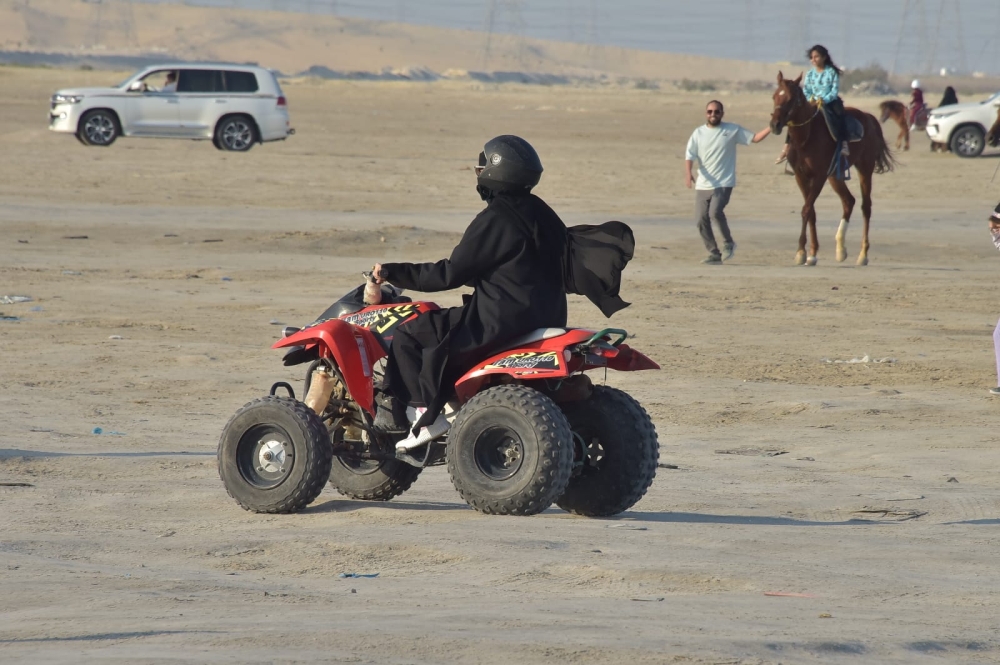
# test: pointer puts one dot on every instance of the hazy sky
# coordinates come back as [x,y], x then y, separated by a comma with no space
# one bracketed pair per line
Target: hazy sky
[914,35]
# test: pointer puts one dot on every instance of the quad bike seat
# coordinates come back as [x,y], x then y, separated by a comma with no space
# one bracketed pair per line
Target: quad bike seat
[536,335]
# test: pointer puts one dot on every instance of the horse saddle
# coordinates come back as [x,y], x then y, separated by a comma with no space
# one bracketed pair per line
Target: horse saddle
[855,130]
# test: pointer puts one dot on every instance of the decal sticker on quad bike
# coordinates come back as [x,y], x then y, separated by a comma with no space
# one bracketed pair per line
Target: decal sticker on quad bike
[527,360]
[383,319]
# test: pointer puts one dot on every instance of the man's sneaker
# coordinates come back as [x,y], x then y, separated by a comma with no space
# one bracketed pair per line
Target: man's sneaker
[728,250]
[712,259]
[390,414]
[995,391]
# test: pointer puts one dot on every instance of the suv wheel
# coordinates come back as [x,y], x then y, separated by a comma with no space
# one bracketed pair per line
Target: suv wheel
[968,141]
[98,127]
[236,133]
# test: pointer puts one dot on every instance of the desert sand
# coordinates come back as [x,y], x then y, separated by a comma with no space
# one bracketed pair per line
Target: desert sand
[867,490]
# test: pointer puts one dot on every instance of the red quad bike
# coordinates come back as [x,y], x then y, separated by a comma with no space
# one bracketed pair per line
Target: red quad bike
[529,427]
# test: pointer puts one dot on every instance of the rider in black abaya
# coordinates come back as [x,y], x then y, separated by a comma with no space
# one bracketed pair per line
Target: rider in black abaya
[520,260]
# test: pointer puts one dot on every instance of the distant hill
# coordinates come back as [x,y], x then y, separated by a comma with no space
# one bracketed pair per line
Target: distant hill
[293,43]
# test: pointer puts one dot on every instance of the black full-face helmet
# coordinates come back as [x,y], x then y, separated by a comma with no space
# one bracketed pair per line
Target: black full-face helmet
[507,164]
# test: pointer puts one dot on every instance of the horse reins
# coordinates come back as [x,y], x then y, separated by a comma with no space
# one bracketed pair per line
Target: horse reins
[789,123]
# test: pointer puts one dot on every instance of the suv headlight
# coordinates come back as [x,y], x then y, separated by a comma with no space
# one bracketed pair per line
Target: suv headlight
[939,116]
[66,99]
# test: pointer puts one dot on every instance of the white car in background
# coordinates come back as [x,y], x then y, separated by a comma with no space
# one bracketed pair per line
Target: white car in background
[963,127]
[235,106]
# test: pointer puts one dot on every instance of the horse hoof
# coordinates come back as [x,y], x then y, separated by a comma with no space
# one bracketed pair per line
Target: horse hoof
[800,258]
[862,260]
[811,261]
[841,255]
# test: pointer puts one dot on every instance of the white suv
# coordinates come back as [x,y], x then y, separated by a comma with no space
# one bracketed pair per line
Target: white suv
[963,127]
[234,105]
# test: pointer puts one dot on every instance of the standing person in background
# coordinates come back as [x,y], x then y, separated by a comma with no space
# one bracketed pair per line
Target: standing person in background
[995,232]
[713,145]
[949,97]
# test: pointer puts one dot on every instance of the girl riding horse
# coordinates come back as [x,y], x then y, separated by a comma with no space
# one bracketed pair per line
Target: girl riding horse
[823,85]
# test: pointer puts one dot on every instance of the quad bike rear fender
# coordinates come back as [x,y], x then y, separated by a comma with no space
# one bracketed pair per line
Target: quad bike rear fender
[557,358]
[354,350]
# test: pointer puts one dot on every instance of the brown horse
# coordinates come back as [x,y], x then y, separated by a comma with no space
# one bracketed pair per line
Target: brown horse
[901,116]
[811,151]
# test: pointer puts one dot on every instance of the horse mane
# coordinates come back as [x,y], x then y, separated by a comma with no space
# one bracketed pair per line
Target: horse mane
[892,105]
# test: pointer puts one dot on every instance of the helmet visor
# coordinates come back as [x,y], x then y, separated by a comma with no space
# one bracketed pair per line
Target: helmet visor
[482,164]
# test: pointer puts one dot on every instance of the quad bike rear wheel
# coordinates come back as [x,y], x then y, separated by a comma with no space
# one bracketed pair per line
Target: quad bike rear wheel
[510,451]
[370,480]
[274,455]
[619,449]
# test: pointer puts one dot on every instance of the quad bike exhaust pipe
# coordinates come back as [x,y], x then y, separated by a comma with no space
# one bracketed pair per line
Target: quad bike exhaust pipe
[320,390]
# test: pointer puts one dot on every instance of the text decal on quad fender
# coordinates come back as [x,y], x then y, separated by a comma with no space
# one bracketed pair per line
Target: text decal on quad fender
[382,319]
[527,360]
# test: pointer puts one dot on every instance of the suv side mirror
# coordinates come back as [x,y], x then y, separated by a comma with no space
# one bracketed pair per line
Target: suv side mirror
[135,86]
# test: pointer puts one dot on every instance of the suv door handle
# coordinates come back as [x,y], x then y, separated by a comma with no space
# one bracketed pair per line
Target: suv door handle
[220,101]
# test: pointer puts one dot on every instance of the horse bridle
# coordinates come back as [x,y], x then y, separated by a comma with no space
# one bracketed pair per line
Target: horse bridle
[798,102]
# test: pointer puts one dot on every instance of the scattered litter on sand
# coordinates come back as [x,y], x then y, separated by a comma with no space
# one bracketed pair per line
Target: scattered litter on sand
[76,237]
[227,279]
[788,594]
[9,318]
[627,526]
[869,514]
[116,337]
[13,300]
[16,485]
[98,430]
[276,322]
[212,240]
[71,272]
[662,465]
[652,599]
[357,575]
[746,450]
[865,359]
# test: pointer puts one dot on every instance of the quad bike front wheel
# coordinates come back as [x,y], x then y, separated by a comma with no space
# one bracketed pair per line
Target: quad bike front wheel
[619,451]
[274,455]
[510,451]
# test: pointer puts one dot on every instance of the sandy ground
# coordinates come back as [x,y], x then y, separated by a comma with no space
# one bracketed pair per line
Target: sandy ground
[868,488]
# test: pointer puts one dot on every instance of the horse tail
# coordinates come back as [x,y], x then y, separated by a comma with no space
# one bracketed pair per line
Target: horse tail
[884,159]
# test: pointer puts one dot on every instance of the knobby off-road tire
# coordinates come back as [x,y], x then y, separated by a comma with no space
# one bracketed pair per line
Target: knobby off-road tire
[510,451]
[275,455]
[621,453]
[370,480]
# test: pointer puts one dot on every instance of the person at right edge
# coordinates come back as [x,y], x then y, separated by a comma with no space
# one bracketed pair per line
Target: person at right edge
[520,260]
[994,220]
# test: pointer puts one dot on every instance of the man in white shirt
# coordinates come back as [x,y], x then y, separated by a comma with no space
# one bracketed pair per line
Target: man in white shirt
[713,145]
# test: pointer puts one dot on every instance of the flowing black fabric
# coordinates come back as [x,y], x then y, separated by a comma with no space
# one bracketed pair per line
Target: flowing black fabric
[595,257]
[512,256]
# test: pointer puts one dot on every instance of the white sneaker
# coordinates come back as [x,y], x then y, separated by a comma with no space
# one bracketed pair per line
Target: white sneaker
[427,434]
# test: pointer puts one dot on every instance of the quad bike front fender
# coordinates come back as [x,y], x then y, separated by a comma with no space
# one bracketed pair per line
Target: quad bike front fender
[353,349]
